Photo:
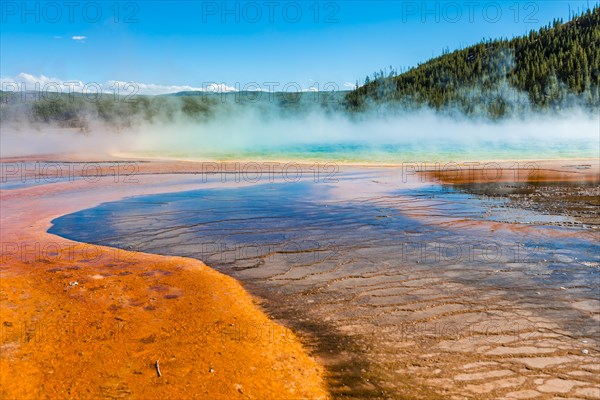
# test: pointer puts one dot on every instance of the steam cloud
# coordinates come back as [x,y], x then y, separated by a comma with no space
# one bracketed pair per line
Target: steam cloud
[240,129]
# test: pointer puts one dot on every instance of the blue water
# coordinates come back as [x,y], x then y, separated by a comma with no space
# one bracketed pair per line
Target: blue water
[427,151]
[299,222]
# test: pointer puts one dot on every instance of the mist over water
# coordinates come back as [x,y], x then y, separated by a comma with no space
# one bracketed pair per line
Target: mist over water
[248,133]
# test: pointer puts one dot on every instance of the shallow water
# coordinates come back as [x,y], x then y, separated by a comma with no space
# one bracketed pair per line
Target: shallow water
[371,288]
[439,150]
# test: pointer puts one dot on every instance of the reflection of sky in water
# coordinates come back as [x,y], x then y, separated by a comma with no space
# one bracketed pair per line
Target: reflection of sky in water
[18,183]
[271,225]
[460,204]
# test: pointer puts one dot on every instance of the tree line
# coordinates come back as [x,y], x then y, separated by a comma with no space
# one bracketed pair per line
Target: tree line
[557,66]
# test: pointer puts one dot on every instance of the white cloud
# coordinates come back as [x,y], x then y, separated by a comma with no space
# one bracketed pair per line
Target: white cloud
[219,88]
[350,85]
[25,81]
[78,38]
[154,89]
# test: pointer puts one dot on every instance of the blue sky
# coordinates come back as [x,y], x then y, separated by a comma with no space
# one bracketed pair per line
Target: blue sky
[189,43]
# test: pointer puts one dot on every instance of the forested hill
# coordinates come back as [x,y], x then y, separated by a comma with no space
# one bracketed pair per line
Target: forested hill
[557,66]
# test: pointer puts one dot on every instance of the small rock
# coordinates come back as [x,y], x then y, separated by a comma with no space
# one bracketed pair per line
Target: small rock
[585,351]
[211,370]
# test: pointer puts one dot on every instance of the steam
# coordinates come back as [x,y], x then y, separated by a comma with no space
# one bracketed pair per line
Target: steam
[268,131]
[307,125]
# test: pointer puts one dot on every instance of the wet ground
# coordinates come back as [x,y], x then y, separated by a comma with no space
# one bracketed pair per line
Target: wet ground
[402,291]
[578,203]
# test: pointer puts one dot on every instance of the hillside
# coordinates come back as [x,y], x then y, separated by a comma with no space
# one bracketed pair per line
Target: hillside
[557,66]
[76,111]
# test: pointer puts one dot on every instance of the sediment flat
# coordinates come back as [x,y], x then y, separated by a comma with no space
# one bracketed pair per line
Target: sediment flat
[381,324]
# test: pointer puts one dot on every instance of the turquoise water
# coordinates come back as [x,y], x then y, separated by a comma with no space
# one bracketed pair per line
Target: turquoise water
[438,151]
